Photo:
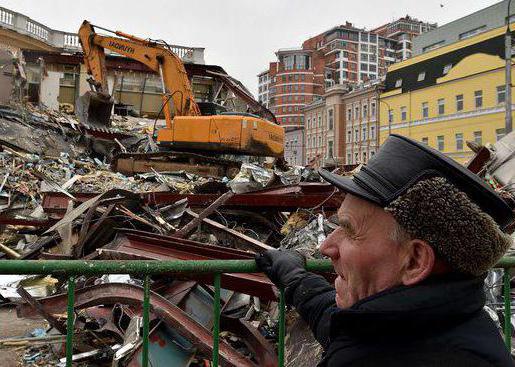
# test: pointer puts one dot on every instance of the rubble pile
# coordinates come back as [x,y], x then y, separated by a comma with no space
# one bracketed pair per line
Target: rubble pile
[60,198]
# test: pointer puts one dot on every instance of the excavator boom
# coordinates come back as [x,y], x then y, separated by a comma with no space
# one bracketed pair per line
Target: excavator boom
[178,97]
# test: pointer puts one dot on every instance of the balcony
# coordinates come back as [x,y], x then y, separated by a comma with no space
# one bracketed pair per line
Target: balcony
[69,41]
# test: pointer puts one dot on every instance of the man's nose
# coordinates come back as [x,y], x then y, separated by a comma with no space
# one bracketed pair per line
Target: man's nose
[329,247]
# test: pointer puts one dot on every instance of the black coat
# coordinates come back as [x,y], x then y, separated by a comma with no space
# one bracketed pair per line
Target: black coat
[438,323]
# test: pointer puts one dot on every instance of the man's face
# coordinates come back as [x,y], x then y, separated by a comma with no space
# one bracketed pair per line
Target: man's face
[363,254]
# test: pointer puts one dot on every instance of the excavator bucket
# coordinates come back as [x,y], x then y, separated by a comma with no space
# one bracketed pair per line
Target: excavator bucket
[94,109]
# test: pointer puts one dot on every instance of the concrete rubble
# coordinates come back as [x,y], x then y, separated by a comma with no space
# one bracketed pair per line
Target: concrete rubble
[62,197]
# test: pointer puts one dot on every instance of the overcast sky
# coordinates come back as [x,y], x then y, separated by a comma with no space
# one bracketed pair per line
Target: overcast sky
[239,35]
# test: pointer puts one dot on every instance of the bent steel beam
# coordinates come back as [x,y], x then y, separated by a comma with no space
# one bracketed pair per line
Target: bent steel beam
[172,315]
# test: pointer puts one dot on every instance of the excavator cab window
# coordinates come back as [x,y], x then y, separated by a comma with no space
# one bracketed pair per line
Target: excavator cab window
[211,108]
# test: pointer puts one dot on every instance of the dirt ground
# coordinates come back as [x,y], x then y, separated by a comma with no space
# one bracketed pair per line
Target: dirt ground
[11,327]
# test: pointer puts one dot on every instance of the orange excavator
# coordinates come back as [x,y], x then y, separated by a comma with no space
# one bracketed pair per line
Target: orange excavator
[186,129]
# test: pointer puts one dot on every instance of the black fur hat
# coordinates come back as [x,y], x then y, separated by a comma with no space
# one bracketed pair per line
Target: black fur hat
[435,199]
[462,234]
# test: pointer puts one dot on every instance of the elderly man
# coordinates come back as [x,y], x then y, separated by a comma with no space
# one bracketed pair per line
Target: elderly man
[417,233]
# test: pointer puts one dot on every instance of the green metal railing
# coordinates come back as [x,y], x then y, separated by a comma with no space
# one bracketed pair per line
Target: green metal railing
[73,268]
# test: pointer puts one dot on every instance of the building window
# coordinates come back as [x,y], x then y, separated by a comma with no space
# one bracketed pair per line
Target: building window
[425,110]
[349,136]
[433,46]
[425,140]
[364,157]
[373,109]
[421,76]
[349,158]
[440,142]
[356,113]
[349,114]
[372,132]
[356,135]
[499,134]
[319,121]
[330,119]
[459,141]
[355,158]
[459,102]
[441,106]
[330,149]
[319,141]
[390,116]
[365,110]
[478,137]
[447,68]
[478,98]
[501,94]
[404,113]
[472,32]
[372,153]
[364,133]
[398,83]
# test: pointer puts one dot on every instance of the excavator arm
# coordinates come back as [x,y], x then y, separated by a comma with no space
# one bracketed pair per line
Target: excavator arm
[178,98]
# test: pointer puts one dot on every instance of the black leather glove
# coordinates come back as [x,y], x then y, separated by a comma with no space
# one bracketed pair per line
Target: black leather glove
[284,267]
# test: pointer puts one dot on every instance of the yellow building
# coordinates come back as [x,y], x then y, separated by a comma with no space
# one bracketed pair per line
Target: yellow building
[448,96]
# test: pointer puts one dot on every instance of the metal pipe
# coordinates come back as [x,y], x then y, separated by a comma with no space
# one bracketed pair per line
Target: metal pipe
[388,115]
[507,56]
[146,311]
[151,267]
[216,319]
[282,328]
[69,321]
[507,308]
[145,267]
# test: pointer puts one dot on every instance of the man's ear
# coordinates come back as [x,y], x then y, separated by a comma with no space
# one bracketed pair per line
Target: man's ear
[419,262]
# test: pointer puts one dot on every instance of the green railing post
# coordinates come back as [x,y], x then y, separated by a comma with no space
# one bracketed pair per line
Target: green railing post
[216,319]
[282,328]
[507,308]
[70,321]
[146,317]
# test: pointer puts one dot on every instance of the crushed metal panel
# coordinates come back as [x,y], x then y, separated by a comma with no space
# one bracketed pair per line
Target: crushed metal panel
[165,349]
[173,316]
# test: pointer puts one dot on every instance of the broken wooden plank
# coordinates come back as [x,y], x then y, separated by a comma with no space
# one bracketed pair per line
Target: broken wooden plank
[251,243]
[184,231]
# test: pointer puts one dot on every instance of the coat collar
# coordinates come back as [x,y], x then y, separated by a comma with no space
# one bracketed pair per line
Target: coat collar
[435,304]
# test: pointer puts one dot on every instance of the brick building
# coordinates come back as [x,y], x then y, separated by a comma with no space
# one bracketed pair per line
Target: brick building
[294,146]
[361,123]
[263,86]
[316,133]
[303,79]
[342,127]
[404,30]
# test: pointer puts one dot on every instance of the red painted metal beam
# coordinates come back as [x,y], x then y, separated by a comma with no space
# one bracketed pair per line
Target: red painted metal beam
[287,198]
[26,222]
[136,247]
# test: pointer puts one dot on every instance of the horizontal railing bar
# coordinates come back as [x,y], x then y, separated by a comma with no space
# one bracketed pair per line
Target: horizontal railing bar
[150,267]
[80,267]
